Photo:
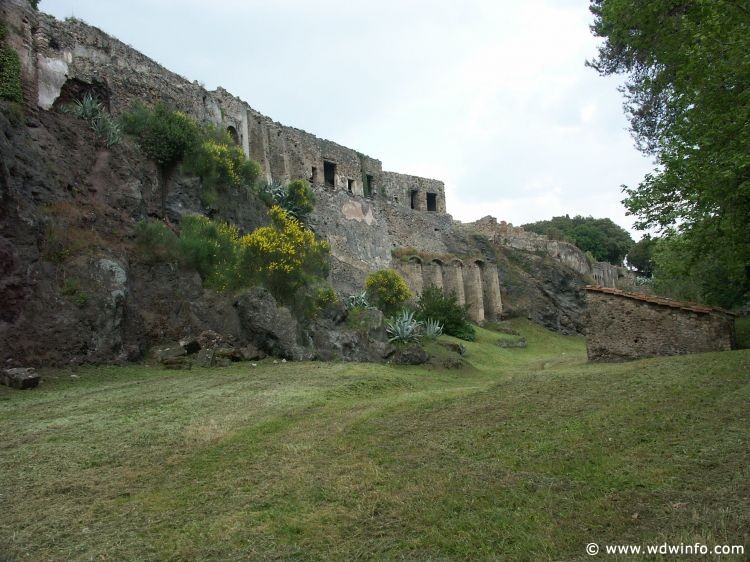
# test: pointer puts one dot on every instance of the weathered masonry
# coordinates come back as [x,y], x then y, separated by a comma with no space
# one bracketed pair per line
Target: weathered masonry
[476,283]
[62,60]
[623,325]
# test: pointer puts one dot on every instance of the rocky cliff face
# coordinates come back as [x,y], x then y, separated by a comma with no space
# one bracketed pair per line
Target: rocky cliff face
[74,289]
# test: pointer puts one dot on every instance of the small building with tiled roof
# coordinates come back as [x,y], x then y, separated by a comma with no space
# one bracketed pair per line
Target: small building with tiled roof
[622,325]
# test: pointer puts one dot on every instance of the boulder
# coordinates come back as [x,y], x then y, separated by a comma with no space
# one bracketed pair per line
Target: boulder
[21,378]
[411,355]
[168,351]
[356,336]
[512,344]
[269,327]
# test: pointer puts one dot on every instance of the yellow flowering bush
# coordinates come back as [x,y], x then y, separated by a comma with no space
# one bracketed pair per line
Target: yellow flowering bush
[387,290]
[284,256]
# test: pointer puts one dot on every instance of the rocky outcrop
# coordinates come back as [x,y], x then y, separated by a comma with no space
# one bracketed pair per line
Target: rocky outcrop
[270,327]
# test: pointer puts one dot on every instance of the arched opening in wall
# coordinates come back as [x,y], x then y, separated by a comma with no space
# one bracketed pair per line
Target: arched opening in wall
[479,264]
[457,263]
[75,90]
[233,133]
[415,259]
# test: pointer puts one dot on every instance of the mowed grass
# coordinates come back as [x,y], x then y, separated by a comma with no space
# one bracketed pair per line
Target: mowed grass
[525,454]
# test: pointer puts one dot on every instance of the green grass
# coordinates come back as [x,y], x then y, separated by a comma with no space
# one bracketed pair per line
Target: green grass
[524,454]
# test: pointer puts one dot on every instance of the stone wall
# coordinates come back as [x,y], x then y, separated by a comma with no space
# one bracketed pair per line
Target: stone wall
[476,283]
[420,194]
[623,325]
[63,59]
[505,234]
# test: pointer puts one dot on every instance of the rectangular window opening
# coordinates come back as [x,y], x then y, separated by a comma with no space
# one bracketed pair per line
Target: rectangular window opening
[350,185]
[414,196]
[369,186]
[432,201]
[329,173]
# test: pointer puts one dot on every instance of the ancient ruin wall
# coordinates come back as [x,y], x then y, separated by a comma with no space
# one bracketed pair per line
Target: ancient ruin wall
[475,283]
[505,234]
[621,327]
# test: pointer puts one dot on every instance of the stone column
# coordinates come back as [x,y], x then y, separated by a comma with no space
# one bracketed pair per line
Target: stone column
[473,292]
[412,271]
[493,306]
[454,280]
[433,274]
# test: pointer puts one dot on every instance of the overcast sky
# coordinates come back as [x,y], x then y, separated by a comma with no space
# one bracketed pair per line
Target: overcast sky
[490,96]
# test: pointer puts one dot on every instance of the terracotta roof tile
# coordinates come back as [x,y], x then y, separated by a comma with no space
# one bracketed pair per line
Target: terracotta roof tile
[664,301]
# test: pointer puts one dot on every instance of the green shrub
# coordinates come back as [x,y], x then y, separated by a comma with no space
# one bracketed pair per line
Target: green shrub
[156,242]
[165,136]
[10,71]
[387,290]
[296,198]
[213,249]
[433,304]
[220,163]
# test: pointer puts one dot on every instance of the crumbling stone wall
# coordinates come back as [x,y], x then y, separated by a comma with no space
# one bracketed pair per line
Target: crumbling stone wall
[420,194]
[505,234]
[622,325]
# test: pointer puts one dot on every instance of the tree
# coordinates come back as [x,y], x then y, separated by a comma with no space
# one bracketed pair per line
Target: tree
[603,238]
[687,98]
[641,256]
[165,136]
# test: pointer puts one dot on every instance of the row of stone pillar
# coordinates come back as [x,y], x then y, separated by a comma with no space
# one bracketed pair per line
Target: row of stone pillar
[475,284]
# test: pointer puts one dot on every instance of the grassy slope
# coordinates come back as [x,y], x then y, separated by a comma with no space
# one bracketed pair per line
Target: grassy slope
[528,455]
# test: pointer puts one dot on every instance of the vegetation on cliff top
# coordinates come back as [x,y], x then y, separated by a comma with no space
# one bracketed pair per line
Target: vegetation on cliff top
[605,240]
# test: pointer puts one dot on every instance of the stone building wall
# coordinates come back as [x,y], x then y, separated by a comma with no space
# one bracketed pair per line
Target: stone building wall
[62,59]
[420,194]
[623,325]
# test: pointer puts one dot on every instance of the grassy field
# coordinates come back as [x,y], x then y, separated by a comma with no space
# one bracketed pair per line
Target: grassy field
[524,454]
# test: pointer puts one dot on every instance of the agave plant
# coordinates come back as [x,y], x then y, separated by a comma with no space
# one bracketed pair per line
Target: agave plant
[88,108]
[358,300]
[107,129]
[432,329]
[403,328]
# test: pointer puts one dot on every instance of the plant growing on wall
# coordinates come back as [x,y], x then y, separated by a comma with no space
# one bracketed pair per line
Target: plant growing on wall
[387,290]
[166,136]
[91,110]
[10,71]
[296,197]
[219,163]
